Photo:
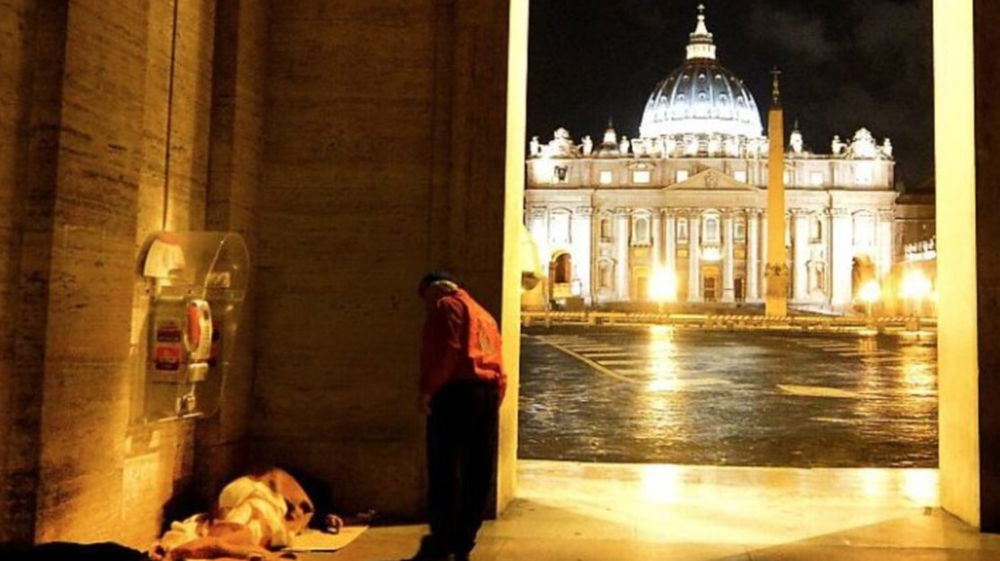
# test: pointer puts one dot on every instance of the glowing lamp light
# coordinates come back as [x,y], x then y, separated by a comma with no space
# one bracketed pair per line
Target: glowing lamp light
[870,292]
[915,286]
[663,286]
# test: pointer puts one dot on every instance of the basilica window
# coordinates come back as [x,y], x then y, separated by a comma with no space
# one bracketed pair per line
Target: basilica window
[605,229]
[560,174]
[816,230]
[606,177]
[710,229]
[604,276]
[788,177]
[682,175]
[682,230]
[640,232]
[641,176]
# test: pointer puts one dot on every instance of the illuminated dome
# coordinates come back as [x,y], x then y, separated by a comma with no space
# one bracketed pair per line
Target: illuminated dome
[701,98]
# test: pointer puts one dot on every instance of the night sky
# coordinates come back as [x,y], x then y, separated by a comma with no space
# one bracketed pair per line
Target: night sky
[846,63]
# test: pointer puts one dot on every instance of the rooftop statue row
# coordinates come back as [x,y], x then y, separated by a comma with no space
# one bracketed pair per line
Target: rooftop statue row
[861,147]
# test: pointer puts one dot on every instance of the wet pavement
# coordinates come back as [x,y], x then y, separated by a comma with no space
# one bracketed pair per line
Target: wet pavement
[664,395]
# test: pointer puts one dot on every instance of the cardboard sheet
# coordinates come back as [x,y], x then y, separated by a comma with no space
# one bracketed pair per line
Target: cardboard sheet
[315,540]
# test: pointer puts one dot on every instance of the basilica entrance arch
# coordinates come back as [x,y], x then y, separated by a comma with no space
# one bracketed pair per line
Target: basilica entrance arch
[561,275]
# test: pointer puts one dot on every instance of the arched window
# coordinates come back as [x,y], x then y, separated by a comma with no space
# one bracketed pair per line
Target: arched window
[710,228]
[816,229]
[641,230]
[606,230]
[604,276]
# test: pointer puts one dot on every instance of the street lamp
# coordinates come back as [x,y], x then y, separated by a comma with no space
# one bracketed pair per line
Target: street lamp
[915,287]
[869,294]
[663,287]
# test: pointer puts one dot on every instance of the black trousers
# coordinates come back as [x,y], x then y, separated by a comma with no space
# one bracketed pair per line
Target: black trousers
[461,462]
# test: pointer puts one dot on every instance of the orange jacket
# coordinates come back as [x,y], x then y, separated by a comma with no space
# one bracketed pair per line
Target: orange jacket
[461,341]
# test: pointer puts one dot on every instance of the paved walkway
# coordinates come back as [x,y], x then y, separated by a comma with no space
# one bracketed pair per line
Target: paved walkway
[757,398]
[608,512]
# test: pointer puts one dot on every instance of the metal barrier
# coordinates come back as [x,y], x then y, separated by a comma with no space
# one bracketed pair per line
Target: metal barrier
[732,322]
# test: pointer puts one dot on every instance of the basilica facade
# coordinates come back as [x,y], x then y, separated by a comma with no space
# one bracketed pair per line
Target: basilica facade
[685,202]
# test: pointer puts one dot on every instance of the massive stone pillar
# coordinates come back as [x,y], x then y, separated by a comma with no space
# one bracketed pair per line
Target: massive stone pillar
[694,258]
[728,290]
[670,259]
[841,243]
[763,254]
[621,253]
[777,265]
[800,256]
[753,254]
[582,241]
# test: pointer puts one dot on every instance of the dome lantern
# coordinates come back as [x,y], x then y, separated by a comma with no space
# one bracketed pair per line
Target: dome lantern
[701,46]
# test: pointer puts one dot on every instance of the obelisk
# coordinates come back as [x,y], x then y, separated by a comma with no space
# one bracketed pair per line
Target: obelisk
[776,271]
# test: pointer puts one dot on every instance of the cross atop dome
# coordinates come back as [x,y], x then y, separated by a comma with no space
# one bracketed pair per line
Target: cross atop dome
[701,45]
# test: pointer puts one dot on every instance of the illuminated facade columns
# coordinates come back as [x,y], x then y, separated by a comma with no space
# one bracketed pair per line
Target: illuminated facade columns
[728,257]
[670,259]
[841,258]
[753,254]
[800,258]
[582,242]
[694,257]
[622,228]
[657,234]
[884,239]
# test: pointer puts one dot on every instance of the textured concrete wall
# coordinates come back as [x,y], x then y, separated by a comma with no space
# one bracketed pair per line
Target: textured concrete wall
[384,158]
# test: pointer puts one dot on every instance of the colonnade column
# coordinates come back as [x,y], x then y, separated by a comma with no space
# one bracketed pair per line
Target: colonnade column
[885,243]
[670,260]
[694,258]
[800,279]
[753,244]
[840,257]
[622,245]
[657,226]
[728,290]
[582,239]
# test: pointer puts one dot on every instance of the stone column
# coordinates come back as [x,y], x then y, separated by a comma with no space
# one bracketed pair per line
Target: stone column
[670,259]
[728,290]
[657,234]
[763,253]
[800,255]
[694,258]
[753,254]
[582,239]
[884,243]
[538,227]
[621,253]
[841,245]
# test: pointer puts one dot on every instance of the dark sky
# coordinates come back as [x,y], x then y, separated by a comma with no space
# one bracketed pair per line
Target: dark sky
[846,63]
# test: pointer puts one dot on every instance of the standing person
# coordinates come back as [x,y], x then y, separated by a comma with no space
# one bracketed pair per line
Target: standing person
[462,384]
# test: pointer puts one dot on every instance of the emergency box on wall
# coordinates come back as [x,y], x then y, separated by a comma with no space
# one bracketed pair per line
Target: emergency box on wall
[196,282]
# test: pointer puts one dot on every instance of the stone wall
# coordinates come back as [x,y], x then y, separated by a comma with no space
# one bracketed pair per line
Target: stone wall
[110,106]
[385,157]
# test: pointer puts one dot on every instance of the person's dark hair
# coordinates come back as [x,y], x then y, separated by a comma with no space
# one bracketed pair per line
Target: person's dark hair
[433,277]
